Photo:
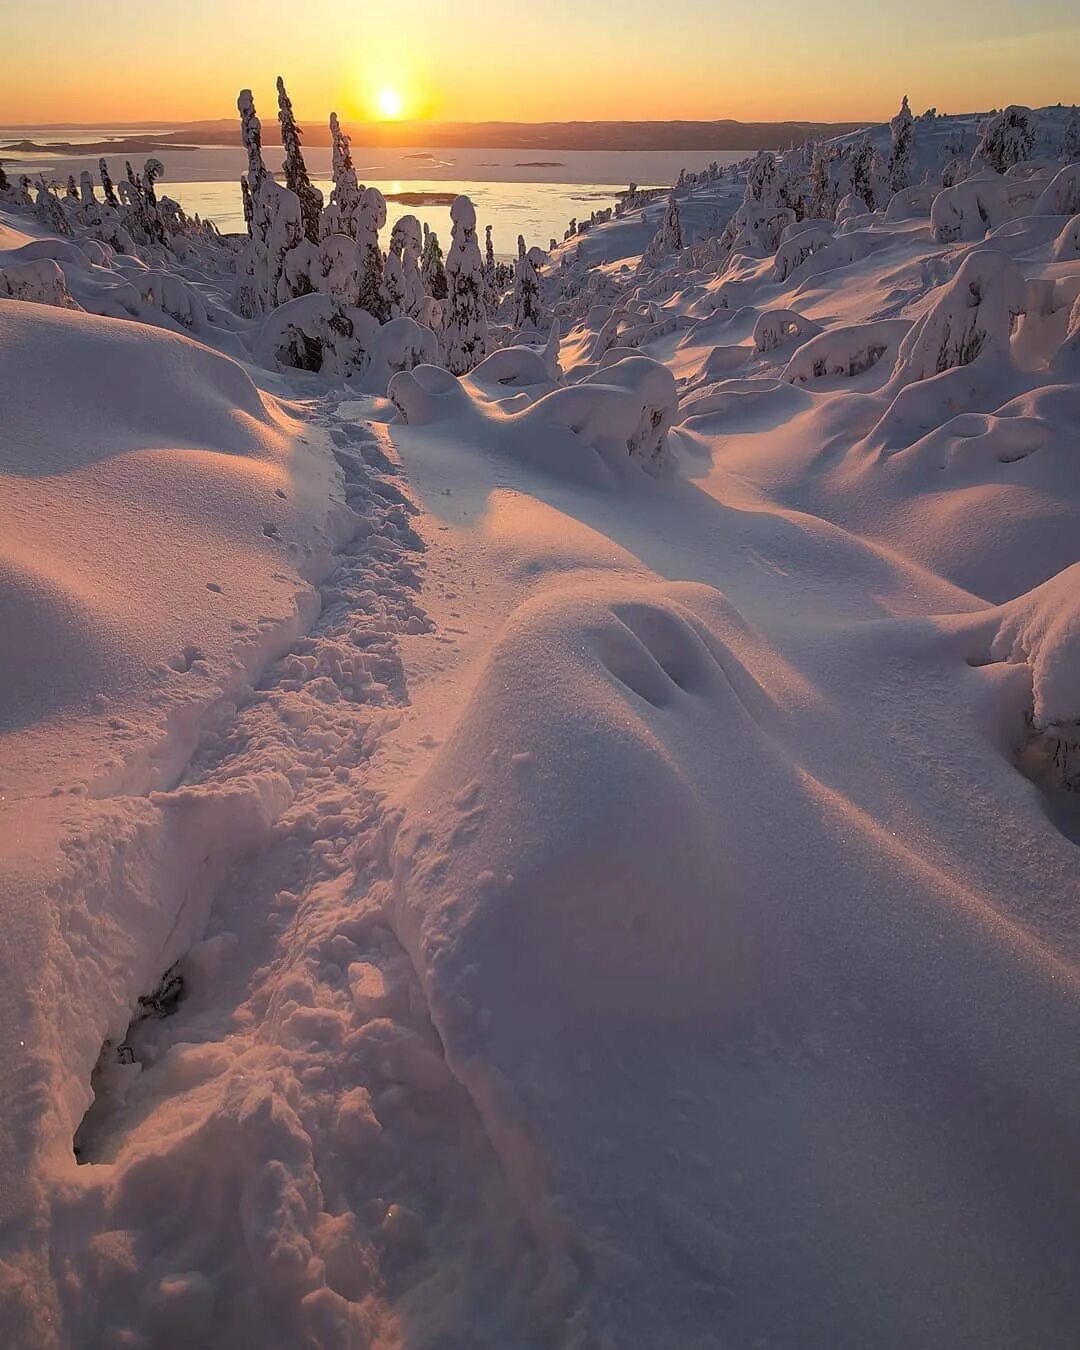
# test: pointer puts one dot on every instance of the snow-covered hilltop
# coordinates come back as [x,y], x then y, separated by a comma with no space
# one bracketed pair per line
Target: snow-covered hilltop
[539,802]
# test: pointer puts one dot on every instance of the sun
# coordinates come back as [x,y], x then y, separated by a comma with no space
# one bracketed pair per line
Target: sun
[390,104]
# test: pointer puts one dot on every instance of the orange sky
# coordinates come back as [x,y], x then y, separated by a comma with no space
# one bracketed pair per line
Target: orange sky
[531,60]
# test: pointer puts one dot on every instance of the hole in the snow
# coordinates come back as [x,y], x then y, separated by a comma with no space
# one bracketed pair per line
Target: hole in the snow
[183,661]
[1051,760]
[271,531]
[117,1065]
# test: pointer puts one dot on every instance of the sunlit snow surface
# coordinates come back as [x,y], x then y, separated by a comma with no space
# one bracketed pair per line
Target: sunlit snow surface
[583,855]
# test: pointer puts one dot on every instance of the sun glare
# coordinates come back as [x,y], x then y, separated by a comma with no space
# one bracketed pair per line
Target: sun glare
[389,104]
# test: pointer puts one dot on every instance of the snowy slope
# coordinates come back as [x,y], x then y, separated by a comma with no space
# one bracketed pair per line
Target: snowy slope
[642,908]
[164,521]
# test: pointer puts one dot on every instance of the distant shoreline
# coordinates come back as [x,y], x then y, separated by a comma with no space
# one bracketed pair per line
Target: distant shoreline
[682,135]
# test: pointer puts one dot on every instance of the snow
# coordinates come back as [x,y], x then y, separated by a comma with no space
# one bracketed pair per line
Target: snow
[578,853]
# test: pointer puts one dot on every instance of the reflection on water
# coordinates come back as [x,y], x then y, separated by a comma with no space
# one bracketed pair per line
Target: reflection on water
[539,211]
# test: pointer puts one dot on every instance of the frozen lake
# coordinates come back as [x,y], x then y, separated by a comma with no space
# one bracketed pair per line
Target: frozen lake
[533,192]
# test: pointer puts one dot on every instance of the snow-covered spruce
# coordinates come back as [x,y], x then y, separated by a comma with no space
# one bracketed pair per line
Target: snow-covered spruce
[296,174]
[668,238]
[341,213]
[526,290]
[370,219]
[432,266]
[465,331]
[902,149]
[251,139]
[1005,139]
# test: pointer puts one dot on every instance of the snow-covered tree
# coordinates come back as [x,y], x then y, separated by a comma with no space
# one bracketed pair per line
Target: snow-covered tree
[340,217]
[972,316]
[822,201]
[153,169]
[296,174]
[401,276]
[526,290]
[902,153]
[761,180]
[249,207]
[432,267]
[86,188]
[864,177]
[4,184]
[370,219]
[72,190]
[107,184]
[394,277]
[1069,149]
[668,239]
[491,285]
[251,139]
[131,186]
[465,332]
[49,211]
[1005,139]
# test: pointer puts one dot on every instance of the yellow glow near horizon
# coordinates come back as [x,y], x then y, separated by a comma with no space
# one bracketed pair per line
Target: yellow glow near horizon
[606,60]
[390,105]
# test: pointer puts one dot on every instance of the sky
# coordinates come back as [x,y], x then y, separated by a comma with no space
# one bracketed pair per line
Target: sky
[534,60]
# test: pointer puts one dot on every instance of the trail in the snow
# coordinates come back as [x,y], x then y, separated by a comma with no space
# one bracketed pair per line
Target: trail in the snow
[286,1158]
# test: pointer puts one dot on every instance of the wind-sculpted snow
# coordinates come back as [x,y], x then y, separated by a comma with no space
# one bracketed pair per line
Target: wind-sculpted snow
[520,366]
[1042,629]
[966,211]
[571,942]
[40,281]
[847,351]
[618,416]
[972,317]
[640,906]
[320,333]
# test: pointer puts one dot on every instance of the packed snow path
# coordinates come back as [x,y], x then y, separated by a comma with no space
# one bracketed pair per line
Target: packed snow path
[289,1159]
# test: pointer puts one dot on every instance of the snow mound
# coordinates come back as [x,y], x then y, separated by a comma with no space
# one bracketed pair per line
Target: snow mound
[971,317]
[153,494]
[1042,630]
[778,327]
[40,281]
[622,413]
[321,333]
[529,902]
[968,209]
[521,366]
[846,350]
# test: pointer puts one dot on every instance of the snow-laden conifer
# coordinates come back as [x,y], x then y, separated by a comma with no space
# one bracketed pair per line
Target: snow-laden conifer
[902,151]
[526,290]
[1005,139]
[296,174]
[1069,149]
[432,267]
[251,138]
[465,332]
[341,215]
[370,219]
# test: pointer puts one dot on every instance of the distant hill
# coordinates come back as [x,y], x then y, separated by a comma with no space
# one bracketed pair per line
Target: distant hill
[720,135]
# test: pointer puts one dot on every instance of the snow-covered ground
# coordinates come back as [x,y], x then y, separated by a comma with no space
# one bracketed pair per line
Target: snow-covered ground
[582,854]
